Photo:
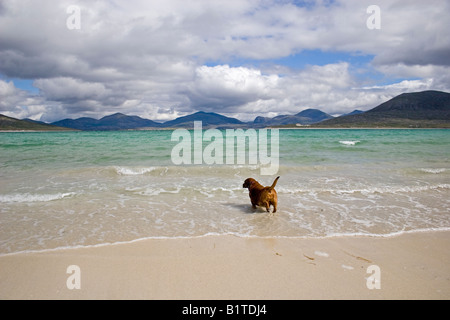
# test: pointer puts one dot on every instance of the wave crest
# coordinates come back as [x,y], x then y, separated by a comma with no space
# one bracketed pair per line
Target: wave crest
[349,142]
[27,197]
[393,189]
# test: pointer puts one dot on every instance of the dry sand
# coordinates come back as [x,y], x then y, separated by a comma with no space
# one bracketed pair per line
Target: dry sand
[412,266]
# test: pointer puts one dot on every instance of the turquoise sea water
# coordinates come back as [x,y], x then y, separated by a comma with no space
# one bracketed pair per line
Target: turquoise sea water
[65,189]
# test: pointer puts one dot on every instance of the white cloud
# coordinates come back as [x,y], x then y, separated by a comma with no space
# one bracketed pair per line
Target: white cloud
[213,87]
[249,92]
[7,88]
[155,58]
[405,85]
[15,102]
[69,89]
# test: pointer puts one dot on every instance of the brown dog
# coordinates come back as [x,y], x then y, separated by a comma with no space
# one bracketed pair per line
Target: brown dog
[262,196]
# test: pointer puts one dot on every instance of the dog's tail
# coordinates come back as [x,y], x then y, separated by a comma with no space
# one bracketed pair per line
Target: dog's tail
[274,183]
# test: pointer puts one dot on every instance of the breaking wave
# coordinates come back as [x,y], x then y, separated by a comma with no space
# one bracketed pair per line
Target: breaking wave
[27,197]
[349,142]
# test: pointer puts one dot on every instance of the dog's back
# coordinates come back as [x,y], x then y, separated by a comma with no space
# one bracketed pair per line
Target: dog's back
[262,196]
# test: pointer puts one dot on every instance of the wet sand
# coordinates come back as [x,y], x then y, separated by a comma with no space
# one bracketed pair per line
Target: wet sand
[410,266]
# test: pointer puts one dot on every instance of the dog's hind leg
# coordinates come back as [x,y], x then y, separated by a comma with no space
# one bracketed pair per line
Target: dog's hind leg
[274,204]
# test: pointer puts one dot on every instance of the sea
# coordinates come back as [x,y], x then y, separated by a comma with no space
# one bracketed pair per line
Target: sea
[76,189]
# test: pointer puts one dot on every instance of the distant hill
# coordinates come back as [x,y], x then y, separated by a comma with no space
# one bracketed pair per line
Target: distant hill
[8,123]
[117,121]
[426,105]
[308,116]
[207,118]
[78,124]
[418,109]
[352,113]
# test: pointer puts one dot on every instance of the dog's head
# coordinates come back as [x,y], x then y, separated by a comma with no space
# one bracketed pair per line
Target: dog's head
[248,182]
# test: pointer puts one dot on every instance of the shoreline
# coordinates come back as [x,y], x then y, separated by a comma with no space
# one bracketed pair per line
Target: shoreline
[244,128]
[356,128]
[239,236]
[412,266]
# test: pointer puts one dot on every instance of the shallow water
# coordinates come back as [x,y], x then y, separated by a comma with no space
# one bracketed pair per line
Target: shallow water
[64,189]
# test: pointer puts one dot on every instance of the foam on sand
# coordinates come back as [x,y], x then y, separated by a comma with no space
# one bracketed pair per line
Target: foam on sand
[27,197]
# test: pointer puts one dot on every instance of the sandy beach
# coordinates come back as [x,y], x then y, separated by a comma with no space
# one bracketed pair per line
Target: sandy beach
[410,266]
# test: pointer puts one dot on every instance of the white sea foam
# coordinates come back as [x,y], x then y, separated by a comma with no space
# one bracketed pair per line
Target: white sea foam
[235,234]
[158,191]
[349,142]
[130,171]
[27,197]
[386,235]
[370,190]
[433,170]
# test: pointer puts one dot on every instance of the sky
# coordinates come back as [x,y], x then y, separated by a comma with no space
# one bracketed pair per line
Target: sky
[240,58]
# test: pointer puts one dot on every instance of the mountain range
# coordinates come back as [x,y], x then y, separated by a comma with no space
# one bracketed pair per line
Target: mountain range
[417,109]
[305,117]
[12,124]
[119,121]
[424,109]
